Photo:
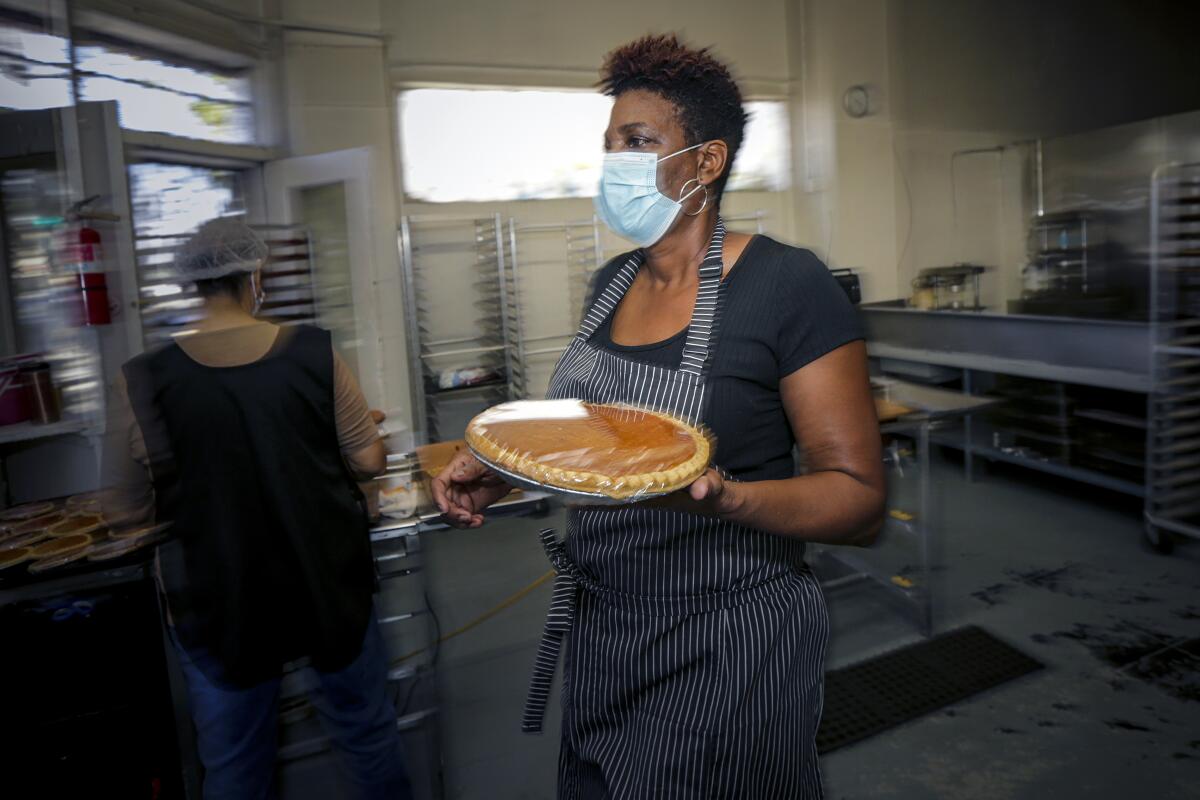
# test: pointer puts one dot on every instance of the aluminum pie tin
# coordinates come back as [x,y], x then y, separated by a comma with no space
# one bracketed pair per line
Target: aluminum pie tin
[14,556]
[26,512]
[19,540]
[575,496]
[91,508]
[81,502]
[37,524]
[53,562]
[138,532]
[115,548]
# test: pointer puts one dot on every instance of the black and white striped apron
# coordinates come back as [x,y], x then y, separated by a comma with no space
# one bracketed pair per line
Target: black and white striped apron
[695,647]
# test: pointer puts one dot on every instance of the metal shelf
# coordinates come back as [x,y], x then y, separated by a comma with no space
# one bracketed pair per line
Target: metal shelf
[1081,474]
[28,431]
[1111,417]
[1174,403]
[475,387]
[316,745]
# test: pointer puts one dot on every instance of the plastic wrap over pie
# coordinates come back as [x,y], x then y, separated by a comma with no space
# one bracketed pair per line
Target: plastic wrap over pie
[618,452]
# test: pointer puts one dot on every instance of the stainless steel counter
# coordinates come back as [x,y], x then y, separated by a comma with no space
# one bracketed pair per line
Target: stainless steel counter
[1112,354]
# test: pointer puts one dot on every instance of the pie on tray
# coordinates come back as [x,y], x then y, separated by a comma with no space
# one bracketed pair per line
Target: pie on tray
[61,546]
[37,524]
[619,452]
[80,523]
[87,500]
[13,556]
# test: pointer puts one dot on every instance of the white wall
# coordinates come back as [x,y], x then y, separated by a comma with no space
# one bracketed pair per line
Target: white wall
[337,96]
[845,168]
[894,192]
[547,43]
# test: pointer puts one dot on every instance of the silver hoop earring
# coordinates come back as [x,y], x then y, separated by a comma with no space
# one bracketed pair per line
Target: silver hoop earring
[683,190]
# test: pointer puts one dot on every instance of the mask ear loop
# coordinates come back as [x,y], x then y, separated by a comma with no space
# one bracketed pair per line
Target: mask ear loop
[259,295]
[699,186]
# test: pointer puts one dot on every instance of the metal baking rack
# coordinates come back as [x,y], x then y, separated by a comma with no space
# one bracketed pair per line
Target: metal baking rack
[539,253]
[396,549]
[169,306]
[398,553]
[463,317]
[1173,407]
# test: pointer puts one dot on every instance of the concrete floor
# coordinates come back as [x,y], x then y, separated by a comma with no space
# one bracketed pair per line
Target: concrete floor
[1057,570]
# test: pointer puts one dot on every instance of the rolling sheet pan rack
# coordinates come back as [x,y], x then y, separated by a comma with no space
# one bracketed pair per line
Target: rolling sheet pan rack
[463,318]
[1173,405]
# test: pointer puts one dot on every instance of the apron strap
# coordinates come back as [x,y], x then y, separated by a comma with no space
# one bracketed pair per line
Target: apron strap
[700,331]
[559,620]
[607,301]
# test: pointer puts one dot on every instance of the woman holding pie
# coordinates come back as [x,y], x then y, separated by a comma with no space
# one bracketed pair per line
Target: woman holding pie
[695,632]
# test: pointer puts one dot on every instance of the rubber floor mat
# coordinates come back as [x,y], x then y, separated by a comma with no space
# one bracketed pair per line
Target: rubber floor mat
[879,693]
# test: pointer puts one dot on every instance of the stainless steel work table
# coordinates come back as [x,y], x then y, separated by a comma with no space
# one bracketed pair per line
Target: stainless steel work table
[914,597]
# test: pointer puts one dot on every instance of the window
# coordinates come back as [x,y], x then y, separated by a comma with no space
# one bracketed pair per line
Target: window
[153,95]
[174,199]
[490,145]
[153,92]
[34,69]
[764,162]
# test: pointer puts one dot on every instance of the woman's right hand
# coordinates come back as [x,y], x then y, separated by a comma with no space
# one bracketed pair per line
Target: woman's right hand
[465,488]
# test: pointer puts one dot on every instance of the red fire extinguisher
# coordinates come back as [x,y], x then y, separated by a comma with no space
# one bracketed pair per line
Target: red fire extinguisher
[85,257]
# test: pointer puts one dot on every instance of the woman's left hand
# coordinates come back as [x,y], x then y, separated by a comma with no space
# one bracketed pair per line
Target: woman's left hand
[709,495]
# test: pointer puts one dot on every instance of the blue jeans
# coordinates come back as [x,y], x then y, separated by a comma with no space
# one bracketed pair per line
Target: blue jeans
[236,728]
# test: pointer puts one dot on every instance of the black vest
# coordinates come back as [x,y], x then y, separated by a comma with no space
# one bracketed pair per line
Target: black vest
[270,557]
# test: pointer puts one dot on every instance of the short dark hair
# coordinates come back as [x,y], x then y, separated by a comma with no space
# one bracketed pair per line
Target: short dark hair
[701,88]
[230,285]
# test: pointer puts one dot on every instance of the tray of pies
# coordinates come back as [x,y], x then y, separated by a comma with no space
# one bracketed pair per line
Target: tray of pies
[590,453]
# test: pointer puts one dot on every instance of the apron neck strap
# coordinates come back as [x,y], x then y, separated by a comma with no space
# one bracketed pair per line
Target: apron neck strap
[700,329]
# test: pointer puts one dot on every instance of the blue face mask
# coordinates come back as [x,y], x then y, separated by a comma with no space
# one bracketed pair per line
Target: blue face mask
[629,201]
